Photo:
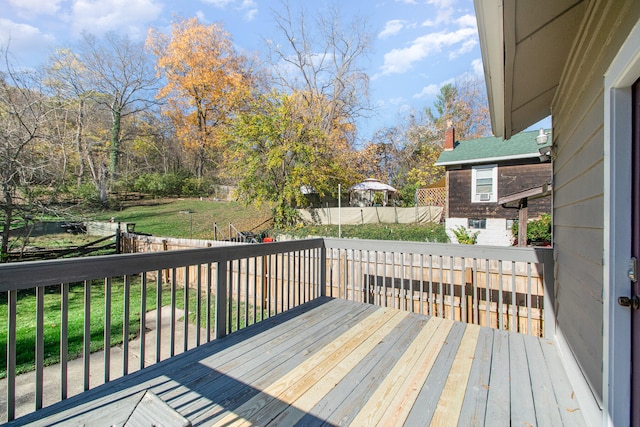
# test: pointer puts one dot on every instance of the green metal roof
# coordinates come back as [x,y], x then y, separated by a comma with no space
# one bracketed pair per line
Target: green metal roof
[493,149]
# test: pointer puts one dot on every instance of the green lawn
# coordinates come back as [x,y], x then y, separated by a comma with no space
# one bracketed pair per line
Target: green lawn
[26,319]
[188,218]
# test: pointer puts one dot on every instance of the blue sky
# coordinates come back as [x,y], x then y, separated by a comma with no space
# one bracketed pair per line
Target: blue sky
[417,45]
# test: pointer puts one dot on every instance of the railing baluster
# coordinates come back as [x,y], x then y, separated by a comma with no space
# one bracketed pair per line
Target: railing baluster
[246,292]
[476,297]
[64,340]
[125,326]
[229,295]
[276,274]
[529,330]
[514,307]
[289,286]
[237,282]
[488,292]
[221,299]
[255,287]
[441,289]
[208,299]
[159,316]
[282,284]
[86,350]
[198,302]
[40,292]
[393,279]
[463,290]
[431,297]
[143,318]
[185,326]
[107,329]
[307,261]
[500,297]
[172,331]
[452,288]
[12,297]
[421,283]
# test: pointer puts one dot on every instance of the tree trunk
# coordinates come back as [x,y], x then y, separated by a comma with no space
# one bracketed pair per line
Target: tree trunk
[6,226]
[79,141]
[115,142]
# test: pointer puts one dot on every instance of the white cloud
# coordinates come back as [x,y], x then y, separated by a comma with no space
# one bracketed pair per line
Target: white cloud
[466,47]
[391,28]
[20,37]
[467,21]
[427,91]
[220,4]
[249,8]
[399,61]
[477,66]
[29,8]
[101,16]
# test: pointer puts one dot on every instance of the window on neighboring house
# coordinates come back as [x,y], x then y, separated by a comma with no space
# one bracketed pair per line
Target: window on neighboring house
[484,184]
[479,224]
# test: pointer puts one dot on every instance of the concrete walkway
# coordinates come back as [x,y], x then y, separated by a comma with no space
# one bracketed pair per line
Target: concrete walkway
[25,388]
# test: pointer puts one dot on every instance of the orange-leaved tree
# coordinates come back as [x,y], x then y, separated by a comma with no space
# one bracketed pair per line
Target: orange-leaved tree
[207,82]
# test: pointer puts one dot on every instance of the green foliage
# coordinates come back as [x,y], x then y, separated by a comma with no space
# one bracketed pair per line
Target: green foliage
[87,194]
[464,236]
[277,148]
[160,185]
[408,194]
[194,187]
[538,230]
[403,232]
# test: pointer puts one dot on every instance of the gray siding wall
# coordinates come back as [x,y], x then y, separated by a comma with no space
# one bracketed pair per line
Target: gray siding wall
[578,211]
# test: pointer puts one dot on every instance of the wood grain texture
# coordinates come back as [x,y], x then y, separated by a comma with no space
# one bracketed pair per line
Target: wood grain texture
[337,362]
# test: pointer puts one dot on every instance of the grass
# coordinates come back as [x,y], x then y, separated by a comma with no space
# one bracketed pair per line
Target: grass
[26,319]
[188,218]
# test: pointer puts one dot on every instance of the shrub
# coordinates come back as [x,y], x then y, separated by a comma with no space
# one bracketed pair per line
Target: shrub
[464,236]
[404,232]
[538,230]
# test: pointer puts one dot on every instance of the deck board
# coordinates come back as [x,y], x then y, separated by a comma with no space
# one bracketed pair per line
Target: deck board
[337,362]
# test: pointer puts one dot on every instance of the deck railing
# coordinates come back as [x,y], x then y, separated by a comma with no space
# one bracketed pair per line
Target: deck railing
[501,287]
[223,289]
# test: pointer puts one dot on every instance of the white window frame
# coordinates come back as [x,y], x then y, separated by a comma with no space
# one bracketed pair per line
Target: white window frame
[475,198]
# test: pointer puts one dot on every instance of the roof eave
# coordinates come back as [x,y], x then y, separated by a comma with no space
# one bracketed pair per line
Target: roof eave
[489,159]
[490,31]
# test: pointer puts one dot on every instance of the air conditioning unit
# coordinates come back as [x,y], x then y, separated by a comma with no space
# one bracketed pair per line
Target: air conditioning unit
[484,197]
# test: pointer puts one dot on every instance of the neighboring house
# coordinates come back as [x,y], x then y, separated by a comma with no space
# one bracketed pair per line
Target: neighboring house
[579,61]
[481,172]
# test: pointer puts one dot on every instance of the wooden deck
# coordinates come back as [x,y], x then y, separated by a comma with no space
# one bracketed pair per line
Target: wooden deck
[338,362]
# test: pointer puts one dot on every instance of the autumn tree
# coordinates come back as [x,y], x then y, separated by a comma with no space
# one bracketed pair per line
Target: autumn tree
[207,83]
[277,151]
[461,105]
[321,59]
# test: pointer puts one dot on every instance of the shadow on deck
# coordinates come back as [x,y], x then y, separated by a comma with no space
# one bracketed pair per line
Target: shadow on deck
[338,362]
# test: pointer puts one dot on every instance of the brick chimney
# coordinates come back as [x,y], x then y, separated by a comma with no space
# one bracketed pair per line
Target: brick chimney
[449,138]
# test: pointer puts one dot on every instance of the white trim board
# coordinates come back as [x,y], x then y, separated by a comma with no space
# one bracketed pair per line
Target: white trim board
[622,73]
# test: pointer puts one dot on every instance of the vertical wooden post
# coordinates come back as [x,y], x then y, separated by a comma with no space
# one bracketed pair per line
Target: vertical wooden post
[221,299]
[522,222]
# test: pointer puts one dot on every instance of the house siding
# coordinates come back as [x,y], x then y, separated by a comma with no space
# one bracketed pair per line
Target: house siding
[578,211]
[513,177]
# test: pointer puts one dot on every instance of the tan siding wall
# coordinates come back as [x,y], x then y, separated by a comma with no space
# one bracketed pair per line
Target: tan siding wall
[578,128]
